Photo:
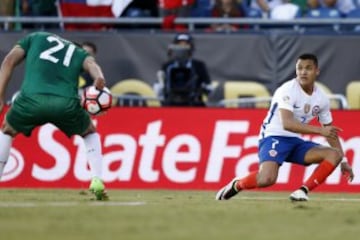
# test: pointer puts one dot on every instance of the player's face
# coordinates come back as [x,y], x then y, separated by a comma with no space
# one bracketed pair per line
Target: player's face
[306,72]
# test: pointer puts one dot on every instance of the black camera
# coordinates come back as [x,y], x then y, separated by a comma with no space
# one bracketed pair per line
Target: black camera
[180,83]
[180,79]
[180,53]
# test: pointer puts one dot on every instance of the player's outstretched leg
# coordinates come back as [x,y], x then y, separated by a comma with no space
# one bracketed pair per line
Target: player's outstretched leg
[299,195]
[323,170]
[98,189]
[228,191]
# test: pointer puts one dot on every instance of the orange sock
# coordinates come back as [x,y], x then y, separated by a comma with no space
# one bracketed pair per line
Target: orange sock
[247,182]
[324,169]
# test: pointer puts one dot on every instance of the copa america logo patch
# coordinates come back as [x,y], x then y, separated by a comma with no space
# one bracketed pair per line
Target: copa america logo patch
[273,153]
[286,98]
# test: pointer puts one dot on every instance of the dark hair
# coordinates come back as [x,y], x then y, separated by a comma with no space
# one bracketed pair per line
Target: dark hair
[90,44]
[235,11]
[309,56]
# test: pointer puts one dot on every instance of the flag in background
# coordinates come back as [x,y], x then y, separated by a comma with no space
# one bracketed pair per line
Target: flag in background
[117,6]
[92,8]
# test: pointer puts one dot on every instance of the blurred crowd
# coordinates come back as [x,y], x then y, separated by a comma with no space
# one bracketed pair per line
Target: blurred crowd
[169,10]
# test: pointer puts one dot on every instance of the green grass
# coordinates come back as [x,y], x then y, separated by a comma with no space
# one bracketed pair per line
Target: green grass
[172,215]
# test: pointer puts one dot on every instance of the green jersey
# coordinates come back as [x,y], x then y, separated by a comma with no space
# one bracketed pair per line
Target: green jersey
[53,65]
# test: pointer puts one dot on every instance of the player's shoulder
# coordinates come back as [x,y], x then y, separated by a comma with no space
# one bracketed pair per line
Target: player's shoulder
[36,37]
[42,35]
[320,91]
[39,34]
[287,86]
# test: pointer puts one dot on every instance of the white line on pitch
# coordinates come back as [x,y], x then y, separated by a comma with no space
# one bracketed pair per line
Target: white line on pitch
[65,204]
[311,199]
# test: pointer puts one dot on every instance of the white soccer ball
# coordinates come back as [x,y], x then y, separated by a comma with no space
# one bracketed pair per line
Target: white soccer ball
[96,101]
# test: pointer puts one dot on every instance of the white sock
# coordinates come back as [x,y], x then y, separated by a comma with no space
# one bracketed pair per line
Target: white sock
[5,143]
[93,153]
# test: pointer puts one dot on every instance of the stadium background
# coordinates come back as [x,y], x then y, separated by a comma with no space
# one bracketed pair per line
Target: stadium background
[183,148]
[159,147]
[266,57]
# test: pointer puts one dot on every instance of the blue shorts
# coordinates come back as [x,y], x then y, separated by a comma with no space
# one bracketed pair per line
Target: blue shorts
[284,149]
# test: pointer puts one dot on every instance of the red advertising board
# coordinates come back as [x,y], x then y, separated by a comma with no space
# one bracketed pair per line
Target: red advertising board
[167,148]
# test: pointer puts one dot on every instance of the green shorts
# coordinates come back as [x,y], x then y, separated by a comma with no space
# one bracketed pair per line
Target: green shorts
[28,112]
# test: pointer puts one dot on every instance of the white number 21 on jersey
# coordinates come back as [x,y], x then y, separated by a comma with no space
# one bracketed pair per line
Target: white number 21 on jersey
[47,54]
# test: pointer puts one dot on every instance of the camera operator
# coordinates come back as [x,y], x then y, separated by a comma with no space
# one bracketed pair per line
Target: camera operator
[183,80]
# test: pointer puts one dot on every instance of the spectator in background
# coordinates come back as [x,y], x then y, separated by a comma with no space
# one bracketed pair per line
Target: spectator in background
[265,6]
[226,9]
[7,9]
[171,9]
[302,4]
[285,11]
[202,8]
[43,8]
[85,79]
[183,80]
[343,6]
[138,9]
[141,8]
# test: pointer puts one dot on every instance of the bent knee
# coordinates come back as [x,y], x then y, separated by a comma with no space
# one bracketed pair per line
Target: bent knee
[334,156]
[90,129]
[265,181]
[8,130]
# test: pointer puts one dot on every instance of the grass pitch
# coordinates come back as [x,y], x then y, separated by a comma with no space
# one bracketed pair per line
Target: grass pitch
[171,215]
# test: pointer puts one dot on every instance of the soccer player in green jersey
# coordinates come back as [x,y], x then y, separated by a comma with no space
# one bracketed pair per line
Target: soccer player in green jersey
[49,94]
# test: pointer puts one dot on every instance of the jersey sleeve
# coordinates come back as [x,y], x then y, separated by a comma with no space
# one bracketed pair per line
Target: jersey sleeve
[284,99]
[325,116]
[24,43]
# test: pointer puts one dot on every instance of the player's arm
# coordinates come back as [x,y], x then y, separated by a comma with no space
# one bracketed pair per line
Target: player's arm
[11,60]
[95,72]
[293,125]
[346,169]
[334,141]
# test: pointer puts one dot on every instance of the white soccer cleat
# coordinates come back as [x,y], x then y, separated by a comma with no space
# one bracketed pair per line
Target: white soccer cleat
[228,191]
[299,195]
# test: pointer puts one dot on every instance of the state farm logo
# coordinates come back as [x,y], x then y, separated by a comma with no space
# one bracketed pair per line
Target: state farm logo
[14,166]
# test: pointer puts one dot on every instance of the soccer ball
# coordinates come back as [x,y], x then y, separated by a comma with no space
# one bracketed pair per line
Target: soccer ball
[96,101]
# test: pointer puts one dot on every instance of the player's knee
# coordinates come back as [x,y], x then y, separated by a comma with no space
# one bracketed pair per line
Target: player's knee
[6,129]
[334,156]
[90,129]
[265,181]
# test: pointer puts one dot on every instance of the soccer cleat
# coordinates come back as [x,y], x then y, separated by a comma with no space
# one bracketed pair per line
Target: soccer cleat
[228,191]
[299,195]
[98,189]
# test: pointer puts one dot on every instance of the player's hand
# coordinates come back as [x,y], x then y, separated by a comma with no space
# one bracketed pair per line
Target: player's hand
[347,171]
[99,83]
[330,131]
